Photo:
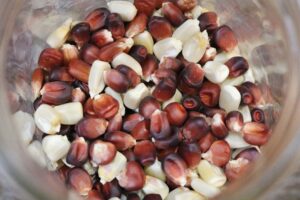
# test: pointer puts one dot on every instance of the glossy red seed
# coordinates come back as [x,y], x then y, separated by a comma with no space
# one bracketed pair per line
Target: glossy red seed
[235,169]
[89,53]
[209,55]
[132,76]
[162,74]
[145,152]
[149,65]
[237,66]
[111,189]
[129,155]
[102,153]
[219,153]
[133,196]
[79,70]
[234,121]
[95,195]
[61,74]
[139,53]
[131,121]
[165,90]
[175,169]
[186,5]
[218,127]
[109,51]
[190,153]
[97,18]
[79,180]
[50,59]
[133,177]
[152,197]
[191,103]
[56,93]
[250,154]
[147,106]
[170,63]
[121,140]
[88,108]
[193,75]
[176,114]
[170,142]
[210,112]
[137,25]
[258,115]
[162,154]
[256,133]
[142,130]
[173,14]
[210,94]
[116,26]
[78,153]
[116,80]
[91,128]
[102,38]
[159,125]
[115,124]
[105,106]
[251,93]
[145,6]
[80,33]
[78,95]
[160,28]
[186,89]
[195,129]
[208,21]
[224,38]
[206,142]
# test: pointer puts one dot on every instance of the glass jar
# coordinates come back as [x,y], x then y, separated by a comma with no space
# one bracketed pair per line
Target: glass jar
[268,32]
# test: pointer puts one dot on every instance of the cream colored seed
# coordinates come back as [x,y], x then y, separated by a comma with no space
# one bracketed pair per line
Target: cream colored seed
[173,194]
[145,39]
[230,98]
[196,12]
[236,141]
[47,119]
[187,30]
[169,47]
[233,81]
[133,97]
[155,186]
[70,52]
[156,171]
[25,126]
[125,59]
[57,38]
[125,9]
[225,56]
[56,147]
[204,189]
[70,113]
[216,72]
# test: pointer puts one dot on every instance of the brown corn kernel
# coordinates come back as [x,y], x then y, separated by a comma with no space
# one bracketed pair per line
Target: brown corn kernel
[191,103]
[193,75]
[79,70]
[195,129]
[219,153]
[89,53]
[78,95]
[162,74]
[132,177]
[208,21]
[133,196]
[173,14]
[105,106]
[210,112]
[224,38]
[175,169]
[234,121]
[218,127]
[160,28]
[139,53]
[210,94]
[116,81]
[237,66]
[176,114]
[162,154]
[149,65]
[170,142]
[56,93]
[102,153]
[97,18]
[145,6]
[186,5]
[95,195]
[186,89]
[116,26]
[250,154]
[121,140]
[88,108]
[115,124]
[132,76]
[256,133]
[129,155]
[158,3]
[108,52]
[70,52]
[170,63]
[251,93]
[51,58]
[159,125]
[102,38]
[147,106]
[145,152]
[111,189]
[190,153]
[258,115]
[165,90]
[142,130]
[78,153]
[137,25]
[152,197]
[37,81]
[79,180]
[206,142]
[61,74]
[80,33]
[131,121]
[236,168]
[91,128]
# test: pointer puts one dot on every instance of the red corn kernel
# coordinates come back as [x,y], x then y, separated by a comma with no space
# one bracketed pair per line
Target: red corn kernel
[121,140]
[219,153]
[79,180]
[97,18]
[206,142]
[80,33]
[111,189]
[190,153]
[88,108]
[162,74]
[160,28]
[170,142]
[147,106]
[91,128]
[195,129]
[193,75]
[105,106]
[129,155]
[78,95]
[131,121]
[78,153]
[236,168]
[152,197]
[102,153]
[173,14]
[258,115]
[208,21]
[162,154]
[89,53]
[116,26]
[224,38]
[210,94]
[102,38]
[145,6]
[142,130]
[149,66]
[234,121]
[145,152]
[191,103]
[132,76]
[176,114]
[186,5]
[95,195]
[170,63]
[165,90]
[79,70]
[237,66]
[218,127]
[256,133]
[186,89]
[250,154]
[116,80]
[61,74]
[210,112]
[56,93]
[139,53]
[51,58]
[37,81]
[137,25]
[159,125]
[115,123]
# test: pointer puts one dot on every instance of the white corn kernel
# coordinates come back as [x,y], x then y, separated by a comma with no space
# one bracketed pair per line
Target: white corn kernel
[245,110]
[233,81]
[173,194]
[188,195]
[230,98]
[125,9]
[118,97]
[169,47]
[155,186]
[187,30]
[125,59]
[249,76]
[236,141]
[225,56]
[47,119]
[25,126]
[156,170]
[216,72]
[145,39]
[36,152]
[195,47]
[70,113]
[109,172]
[176,98]
[158,13]
[89,168]
[196,12]
[96,82]
[211,174]
[204,189]
[57,38]
[133,97]
[56,147]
